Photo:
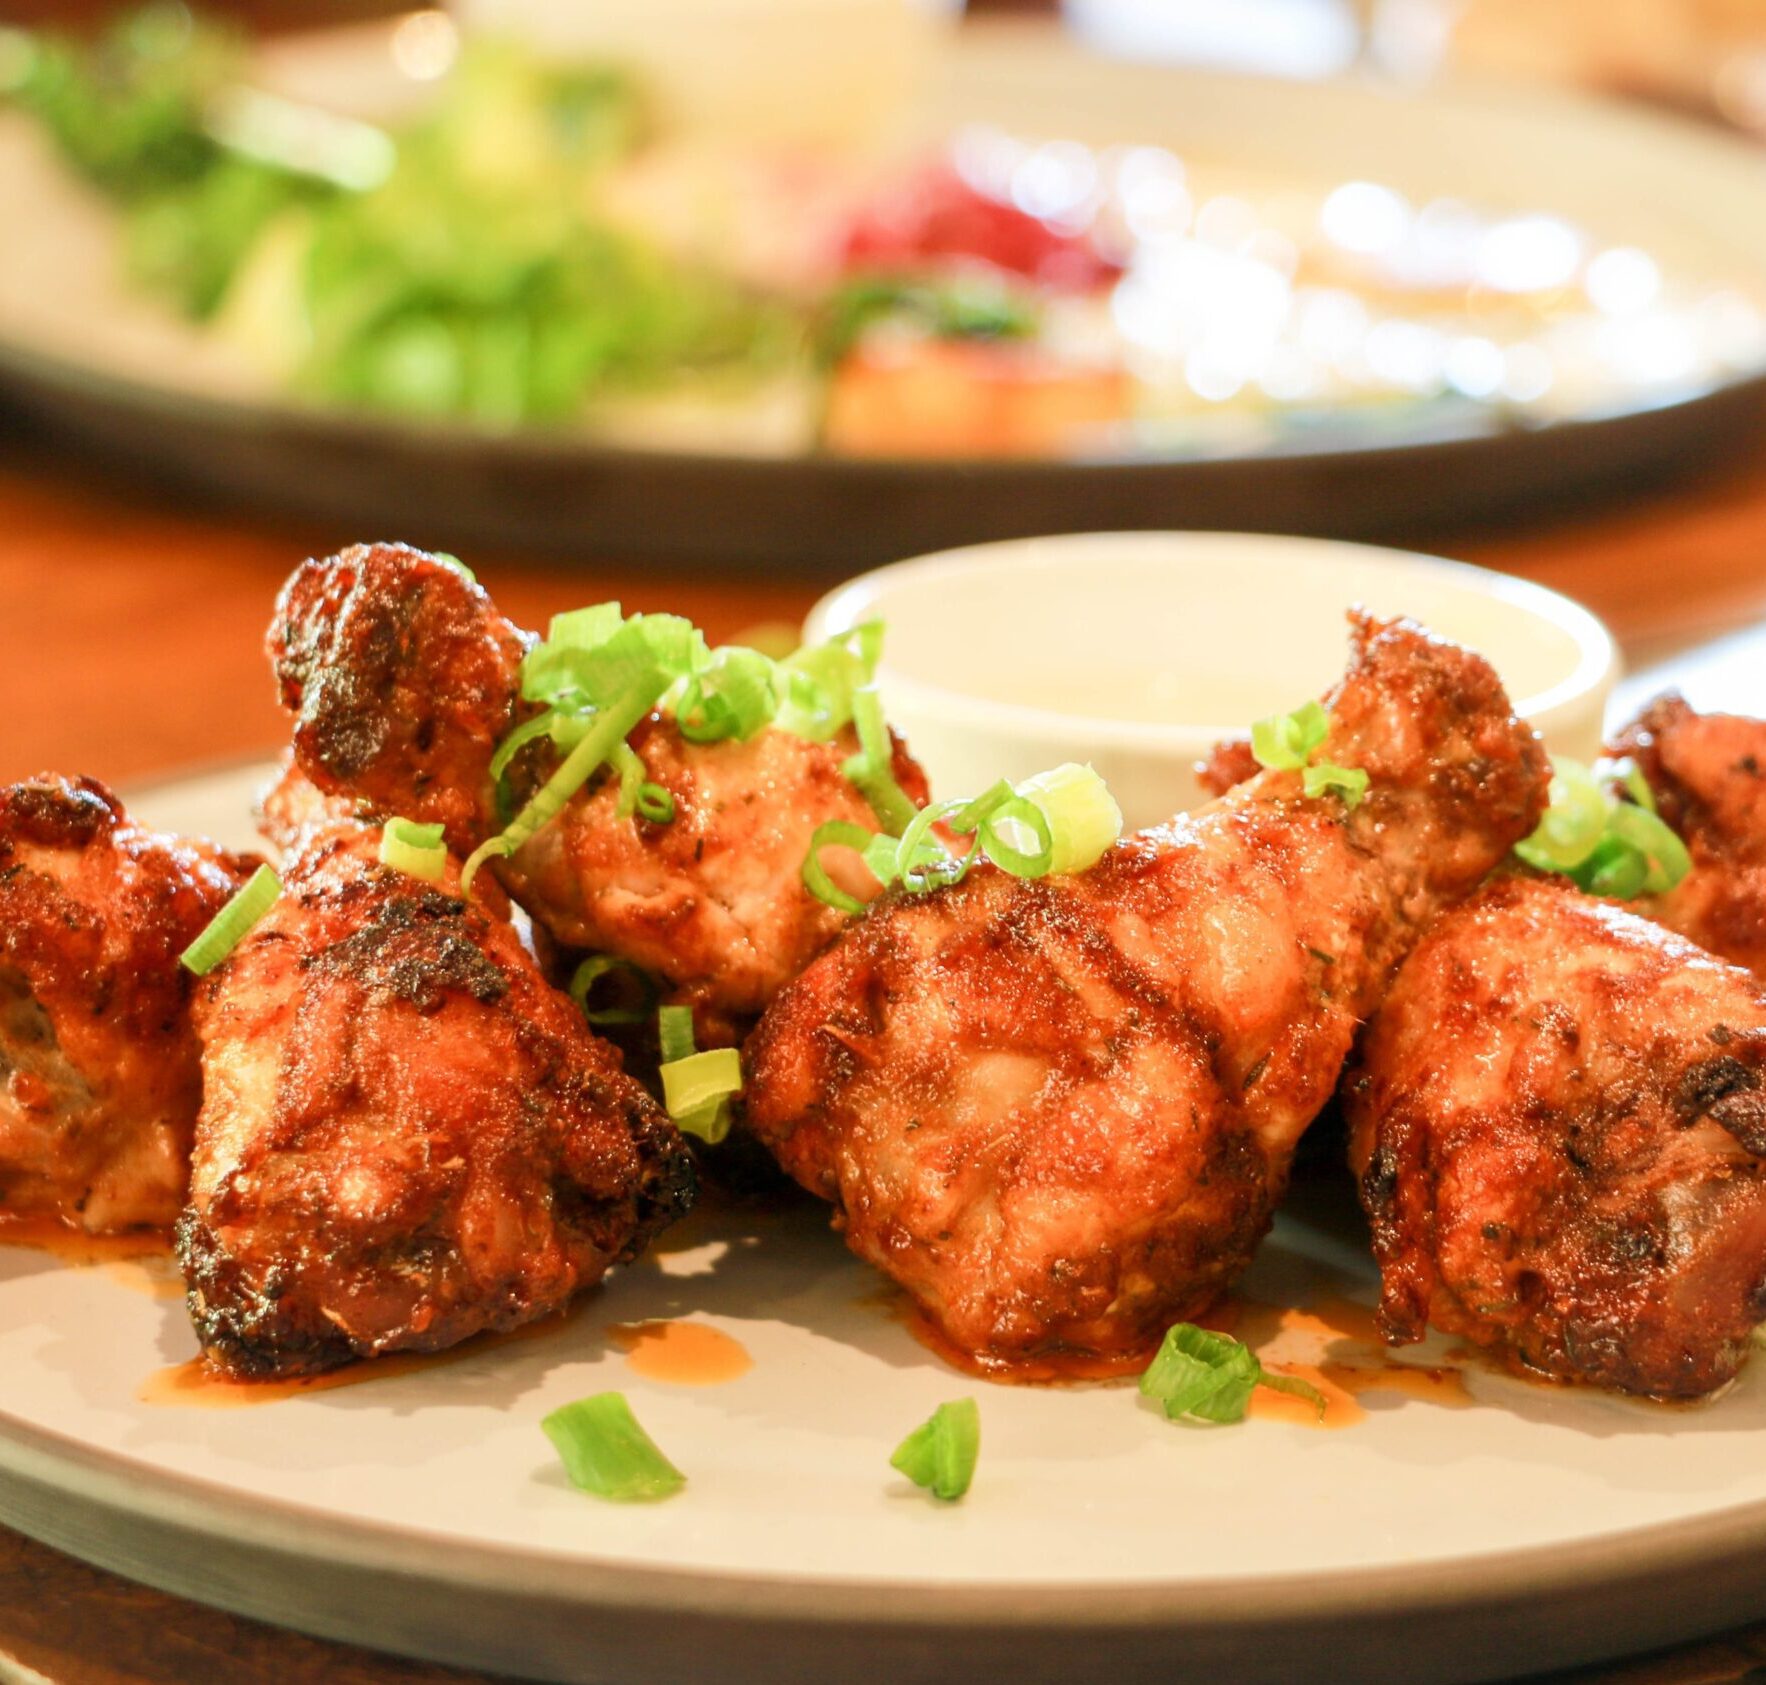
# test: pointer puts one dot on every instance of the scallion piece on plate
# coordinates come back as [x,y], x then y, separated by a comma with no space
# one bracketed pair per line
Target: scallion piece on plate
[417,850]
[606,1451]
[940,1455]
[232,922]
[1210,1377]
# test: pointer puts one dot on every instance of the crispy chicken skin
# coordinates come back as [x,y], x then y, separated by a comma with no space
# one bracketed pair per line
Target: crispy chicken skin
[99,1071]
[403,679]
[1061,1112]
[1557,1119]
[1708,774]
[407,1137]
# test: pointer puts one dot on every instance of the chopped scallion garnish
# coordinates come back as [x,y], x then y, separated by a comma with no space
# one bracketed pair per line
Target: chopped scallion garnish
[696,1087]
[605,1451]
[229,926]
[1287,743]
[674,1033]
[597,673]
[941,1453]
[417,850]
[1350,782]
[1059,821]
[872,769]
[592,970]
[1199,1373]
[1609,843]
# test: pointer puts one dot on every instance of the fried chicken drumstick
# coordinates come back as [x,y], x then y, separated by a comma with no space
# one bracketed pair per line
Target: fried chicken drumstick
[407,1136]
[100,1069]
[404,678]
[1061,1112]
[1708,775]
[1558,1121]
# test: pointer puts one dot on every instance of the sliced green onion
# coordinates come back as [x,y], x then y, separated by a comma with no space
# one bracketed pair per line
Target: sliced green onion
[1199,1373]
[1631,780]
[1285,742]
[585,628]
[1350,782]
[226,929]
[1061,820]
[656,804]
[940,1455]
[641,682]
[592,970]
[922,861]
[1614,869]
[835,833]
[605,1451]
[817,683]
[626,762]
[1032,826]
[539,726]
[414,849]
[1666,855]
[1083,817]
[732,698]
[1574,821]
[1607,844]
[696,1087]
[696,1091]
[872,769]
[674,1033]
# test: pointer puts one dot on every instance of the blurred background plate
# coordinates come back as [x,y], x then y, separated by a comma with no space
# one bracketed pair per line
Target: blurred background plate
[84,357]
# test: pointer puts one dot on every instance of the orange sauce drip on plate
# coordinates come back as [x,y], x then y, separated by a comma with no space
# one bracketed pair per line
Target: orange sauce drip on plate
[1348,1361]
[685,1354]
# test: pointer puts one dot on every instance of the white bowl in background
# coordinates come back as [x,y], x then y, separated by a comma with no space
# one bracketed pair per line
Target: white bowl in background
[1139,651]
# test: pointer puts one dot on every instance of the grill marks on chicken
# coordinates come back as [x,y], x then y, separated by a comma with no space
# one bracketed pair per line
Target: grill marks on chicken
[407,1137]
[99,1072]
[404,678]
[1708,774]
[1558,1118]
[1061,1113]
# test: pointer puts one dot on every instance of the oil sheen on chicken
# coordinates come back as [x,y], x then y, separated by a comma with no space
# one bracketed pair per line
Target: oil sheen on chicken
[1708,774]
[1061,1112]
[99,1072]
[1558,1118]
[407,1136]
[403,678]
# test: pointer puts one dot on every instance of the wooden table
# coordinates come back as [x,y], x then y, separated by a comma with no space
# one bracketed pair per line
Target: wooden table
[130,629]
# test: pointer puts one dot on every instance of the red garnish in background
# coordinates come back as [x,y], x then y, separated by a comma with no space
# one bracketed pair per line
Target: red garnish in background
[935,215]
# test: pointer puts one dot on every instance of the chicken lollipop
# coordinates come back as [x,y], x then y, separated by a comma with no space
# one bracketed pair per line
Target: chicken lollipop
[1061,1112]
[99,1060]
[407,1136]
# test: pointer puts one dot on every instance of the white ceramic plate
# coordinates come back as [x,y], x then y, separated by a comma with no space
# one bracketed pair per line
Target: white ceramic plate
[98,361]
[1505,1530]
